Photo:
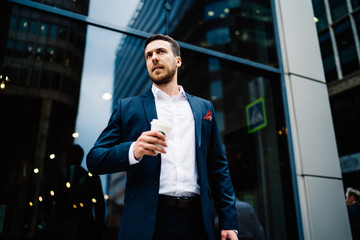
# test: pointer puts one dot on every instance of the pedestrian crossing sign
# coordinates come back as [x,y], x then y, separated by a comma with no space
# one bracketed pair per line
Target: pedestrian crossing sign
[256,115]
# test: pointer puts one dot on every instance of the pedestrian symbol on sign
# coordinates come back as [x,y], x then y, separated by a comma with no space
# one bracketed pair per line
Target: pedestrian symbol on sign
[256,115]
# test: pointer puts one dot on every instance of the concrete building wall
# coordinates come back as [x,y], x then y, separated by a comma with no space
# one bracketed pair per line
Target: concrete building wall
[320,189]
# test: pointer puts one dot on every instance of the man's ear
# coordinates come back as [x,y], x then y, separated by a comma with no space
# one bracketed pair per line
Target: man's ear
[178,62]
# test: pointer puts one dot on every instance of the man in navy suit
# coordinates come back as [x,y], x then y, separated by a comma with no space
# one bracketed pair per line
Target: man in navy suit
[172,182]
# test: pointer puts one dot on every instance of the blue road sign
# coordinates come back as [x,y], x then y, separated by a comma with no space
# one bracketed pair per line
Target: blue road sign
[256,115]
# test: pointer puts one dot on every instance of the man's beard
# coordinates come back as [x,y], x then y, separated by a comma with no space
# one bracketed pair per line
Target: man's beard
[166,79]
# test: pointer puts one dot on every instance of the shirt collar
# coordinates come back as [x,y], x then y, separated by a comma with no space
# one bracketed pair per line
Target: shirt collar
[158,93]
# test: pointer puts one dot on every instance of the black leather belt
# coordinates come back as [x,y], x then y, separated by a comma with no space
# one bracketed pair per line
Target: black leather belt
[180,202]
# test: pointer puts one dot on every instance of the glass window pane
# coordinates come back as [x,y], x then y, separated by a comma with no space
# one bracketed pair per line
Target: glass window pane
[10,46]
[33,26]
[23,24]
[342,108]
[338,9]
[346,47]
[327,55]
[231,89]
[355,4]
[53,31]
[240,28]
[320,14]
[63,32]
[13,23]
[357,22]
[19,49]
[43,29]
[259,161]
[29,52]
[39,105]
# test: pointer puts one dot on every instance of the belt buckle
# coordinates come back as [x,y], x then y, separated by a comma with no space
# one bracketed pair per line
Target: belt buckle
[183,202]
[182,198]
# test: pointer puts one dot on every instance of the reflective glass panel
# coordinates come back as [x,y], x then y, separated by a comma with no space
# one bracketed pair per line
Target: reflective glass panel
[327,55]
[338,9]
[346,47]
[357,22]
[355,4]
[240,28]
[261,176]
[41,91]
[343,113]
[320,14]
[47,57]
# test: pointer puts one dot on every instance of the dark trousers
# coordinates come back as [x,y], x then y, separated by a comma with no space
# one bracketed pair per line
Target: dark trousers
[179,219]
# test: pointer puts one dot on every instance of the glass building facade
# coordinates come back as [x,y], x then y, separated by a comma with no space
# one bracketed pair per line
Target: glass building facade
[338,26]
[63,64]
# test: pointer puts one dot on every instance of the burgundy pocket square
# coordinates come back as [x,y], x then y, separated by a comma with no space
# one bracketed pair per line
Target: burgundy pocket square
[208,116]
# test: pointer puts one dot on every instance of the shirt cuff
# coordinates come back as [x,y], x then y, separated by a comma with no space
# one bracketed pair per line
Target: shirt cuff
[132,159]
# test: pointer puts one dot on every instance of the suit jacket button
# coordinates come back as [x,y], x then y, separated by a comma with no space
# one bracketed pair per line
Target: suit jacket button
[156,181]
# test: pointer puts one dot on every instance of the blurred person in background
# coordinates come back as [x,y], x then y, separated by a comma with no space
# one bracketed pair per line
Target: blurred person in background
[352,198]
[80,205]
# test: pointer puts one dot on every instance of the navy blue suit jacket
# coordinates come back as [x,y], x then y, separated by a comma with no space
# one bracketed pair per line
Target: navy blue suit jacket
[130,118]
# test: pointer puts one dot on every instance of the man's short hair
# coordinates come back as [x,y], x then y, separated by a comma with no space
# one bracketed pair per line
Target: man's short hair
[353,192]
[174,45]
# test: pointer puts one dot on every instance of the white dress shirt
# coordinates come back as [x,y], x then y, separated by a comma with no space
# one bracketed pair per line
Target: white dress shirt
[178,175]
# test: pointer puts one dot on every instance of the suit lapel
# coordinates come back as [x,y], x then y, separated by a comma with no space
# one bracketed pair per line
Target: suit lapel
[196,109]
[149,106]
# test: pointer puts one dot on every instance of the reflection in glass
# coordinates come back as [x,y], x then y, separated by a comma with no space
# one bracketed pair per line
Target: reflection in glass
[43,29]
[338,9]
[40,109]
[240,28]
[355,4]
[320,14]
[23,25]
[33,26]
[254,158]
[258,161]
[346,47]
[327,55]
[357,22]
[342,109]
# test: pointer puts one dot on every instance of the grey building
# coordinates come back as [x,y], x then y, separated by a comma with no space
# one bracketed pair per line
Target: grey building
[338,26]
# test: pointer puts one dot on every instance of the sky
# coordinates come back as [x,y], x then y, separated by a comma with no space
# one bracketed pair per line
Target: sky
[98,70]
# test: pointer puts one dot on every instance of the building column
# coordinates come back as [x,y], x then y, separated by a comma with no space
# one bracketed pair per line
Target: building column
[315,157]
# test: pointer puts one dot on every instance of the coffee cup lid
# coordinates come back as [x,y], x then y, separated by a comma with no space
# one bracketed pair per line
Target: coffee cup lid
[162,122]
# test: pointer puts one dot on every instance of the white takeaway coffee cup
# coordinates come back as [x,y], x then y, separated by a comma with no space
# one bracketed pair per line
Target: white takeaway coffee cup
[161,126]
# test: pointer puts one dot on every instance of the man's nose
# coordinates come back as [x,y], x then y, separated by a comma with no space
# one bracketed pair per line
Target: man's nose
[155,57]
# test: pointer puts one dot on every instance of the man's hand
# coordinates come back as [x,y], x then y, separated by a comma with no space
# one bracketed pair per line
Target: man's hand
[228,234]
[145,144]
